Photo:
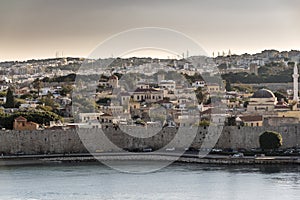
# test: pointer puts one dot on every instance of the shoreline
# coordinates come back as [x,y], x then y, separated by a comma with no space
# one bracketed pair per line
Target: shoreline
[25,160]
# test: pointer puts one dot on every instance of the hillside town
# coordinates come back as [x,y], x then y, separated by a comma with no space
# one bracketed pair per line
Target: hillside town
[37,94]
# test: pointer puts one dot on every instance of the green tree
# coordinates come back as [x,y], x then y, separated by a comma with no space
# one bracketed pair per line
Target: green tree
[280,96]
[37,84]
[10,99]
[201,95]
[49,101]
[2,94]
[270,140]
[222,66]
[228,85]
[204,123]
[66,89]
[26,96]
[231,121]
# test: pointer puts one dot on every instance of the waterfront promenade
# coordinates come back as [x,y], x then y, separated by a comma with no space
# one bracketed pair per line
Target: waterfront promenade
[192,157]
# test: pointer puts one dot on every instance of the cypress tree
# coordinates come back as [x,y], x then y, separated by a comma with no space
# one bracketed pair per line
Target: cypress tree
[10,99]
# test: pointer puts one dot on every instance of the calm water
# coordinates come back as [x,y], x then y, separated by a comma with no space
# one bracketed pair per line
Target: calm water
[178,181]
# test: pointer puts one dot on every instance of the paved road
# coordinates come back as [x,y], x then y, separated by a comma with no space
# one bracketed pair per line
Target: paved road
[167,153]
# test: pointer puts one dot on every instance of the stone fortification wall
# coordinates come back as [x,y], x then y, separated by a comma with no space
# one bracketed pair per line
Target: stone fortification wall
[113,139]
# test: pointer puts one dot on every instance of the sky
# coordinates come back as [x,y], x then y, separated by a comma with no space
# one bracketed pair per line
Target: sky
[32,29]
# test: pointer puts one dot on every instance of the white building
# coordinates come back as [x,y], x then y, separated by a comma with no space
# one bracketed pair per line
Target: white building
[167,84]
[86,117]
[198,84]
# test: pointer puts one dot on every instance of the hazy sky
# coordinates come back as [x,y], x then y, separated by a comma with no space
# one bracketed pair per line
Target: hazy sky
[39,28]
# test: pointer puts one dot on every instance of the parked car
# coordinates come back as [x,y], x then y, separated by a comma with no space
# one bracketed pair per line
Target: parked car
[170,149]
[20,153]
[238,155]
[259,155]
[216,150]
[147,150]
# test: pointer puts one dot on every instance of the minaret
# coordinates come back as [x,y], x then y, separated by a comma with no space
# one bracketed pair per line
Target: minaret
[295,77]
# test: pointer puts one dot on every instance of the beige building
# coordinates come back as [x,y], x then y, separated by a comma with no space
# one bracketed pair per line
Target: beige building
[167,84]
[106,118]
[279,121]
[21,124]
[291,113]
[253,68]
[148,95]
[134,105]
[124,98]
[86,117]
[250,120]
[213,88]
[262,100]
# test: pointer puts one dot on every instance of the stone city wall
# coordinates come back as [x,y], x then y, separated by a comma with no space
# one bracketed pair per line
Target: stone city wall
[113,139]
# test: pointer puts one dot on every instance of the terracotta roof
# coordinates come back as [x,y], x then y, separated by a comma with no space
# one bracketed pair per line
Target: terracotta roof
[251,118]
[113,77]
[106,115]
[146,90]
[20,119]
[164,101]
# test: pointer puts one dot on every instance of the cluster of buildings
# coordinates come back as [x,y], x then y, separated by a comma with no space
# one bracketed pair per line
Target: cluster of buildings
[261,108]
[156,99]
[251,62]
[151,102]
[264,108]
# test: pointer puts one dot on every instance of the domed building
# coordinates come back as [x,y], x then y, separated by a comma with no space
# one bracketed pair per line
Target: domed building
[262,100]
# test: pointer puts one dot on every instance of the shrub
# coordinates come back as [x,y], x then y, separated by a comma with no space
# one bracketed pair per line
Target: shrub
[270,140]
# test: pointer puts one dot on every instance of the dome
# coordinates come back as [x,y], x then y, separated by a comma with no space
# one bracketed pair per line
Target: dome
[263,93]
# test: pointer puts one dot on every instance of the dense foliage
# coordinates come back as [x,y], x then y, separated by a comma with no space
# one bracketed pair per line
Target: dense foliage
[269,73]
[270,140]
[40,117]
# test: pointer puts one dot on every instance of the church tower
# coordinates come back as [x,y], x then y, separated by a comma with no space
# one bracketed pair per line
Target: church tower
[295,77]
